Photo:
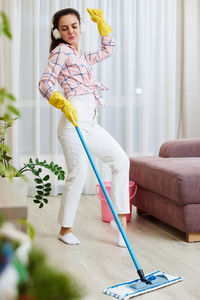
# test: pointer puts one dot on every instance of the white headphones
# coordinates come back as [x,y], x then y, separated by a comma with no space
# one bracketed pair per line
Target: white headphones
[57,35]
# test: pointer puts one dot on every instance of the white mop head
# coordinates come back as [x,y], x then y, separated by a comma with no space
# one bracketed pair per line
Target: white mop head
[136,287]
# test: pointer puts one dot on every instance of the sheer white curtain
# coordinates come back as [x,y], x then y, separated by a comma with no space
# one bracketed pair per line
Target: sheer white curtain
[145,76]
[190,68]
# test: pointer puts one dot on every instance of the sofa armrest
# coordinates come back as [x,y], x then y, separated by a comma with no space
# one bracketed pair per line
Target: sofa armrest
[181,148]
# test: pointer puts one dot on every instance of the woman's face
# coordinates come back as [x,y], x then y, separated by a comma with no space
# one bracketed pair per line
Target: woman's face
[69,28]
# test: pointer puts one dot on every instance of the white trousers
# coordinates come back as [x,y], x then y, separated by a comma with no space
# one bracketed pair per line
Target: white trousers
[101,144]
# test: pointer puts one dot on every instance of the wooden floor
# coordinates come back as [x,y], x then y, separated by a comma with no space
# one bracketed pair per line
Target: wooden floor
[98,263]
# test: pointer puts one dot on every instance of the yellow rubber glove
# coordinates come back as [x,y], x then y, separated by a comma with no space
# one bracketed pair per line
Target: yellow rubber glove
[58,101]
[97,17]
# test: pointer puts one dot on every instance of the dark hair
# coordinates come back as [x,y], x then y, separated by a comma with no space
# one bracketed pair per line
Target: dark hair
[55,20]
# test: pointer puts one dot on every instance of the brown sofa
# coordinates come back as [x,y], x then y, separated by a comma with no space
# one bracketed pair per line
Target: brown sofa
[169,185]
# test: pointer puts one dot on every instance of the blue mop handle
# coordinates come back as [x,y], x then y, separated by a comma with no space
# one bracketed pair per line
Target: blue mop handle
[130,249]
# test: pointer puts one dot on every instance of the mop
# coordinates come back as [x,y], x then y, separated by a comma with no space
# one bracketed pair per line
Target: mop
[144,284]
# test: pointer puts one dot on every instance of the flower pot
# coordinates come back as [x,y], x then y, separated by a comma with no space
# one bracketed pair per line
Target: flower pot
[13,193]
[106,212]
[13,200]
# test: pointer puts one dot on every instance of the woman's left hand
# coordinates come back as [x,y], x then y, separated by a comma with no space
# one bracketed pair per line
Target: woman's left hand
[98,17]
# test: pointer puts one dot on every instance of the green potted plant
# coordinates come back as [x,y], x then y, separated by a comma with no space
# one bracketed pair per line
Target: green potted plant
[11,184]
[8,114]
[25,273]
[43,185]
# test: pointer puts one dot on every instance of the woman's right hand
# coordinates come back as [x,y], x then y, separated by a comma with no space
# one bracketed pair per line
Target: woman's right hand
[60,102]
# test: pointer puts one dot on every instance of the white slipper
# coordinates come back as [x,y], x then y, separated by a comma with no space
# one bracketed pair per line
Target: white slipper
[120,241]
[69,238]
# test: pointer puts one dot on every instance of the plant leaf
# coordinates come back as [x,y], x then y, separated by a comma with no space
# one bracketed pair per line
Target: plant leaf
[5,25]
[30,166]
[10,96]
[4,147]
[61,177]
[41,205]
[47,190]
[2,95]
[46,194]
[13,110]
[36,201]
[40,193]
[39,186]
[45,178]
[35,172]
[38,180]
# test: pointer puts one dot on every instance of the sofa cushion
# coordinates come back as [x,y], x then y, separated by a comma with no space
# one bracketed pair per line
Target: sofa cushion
[181,148]
[177,179]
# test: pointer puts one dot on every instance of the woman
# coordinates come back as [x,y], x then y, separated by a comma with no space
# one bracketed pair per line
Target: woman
[73,70]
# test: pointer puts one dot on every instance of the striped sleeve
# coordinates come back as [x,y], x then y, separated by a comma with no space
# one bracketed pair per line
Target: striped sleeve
[56,62]
[107,49]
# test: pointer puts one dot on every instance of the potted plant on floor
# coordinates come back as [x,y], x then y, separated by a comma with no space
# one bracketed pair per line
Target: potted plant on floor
[11,184]
[8,114]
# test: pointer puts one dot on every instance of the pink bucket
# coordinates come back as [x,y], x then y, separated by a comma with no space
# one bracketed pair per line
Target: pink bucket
[106,213]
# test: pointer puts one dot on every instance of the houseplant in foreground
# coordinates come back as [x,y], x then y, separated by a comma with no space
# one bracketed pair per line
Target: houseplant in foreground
[25,273]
